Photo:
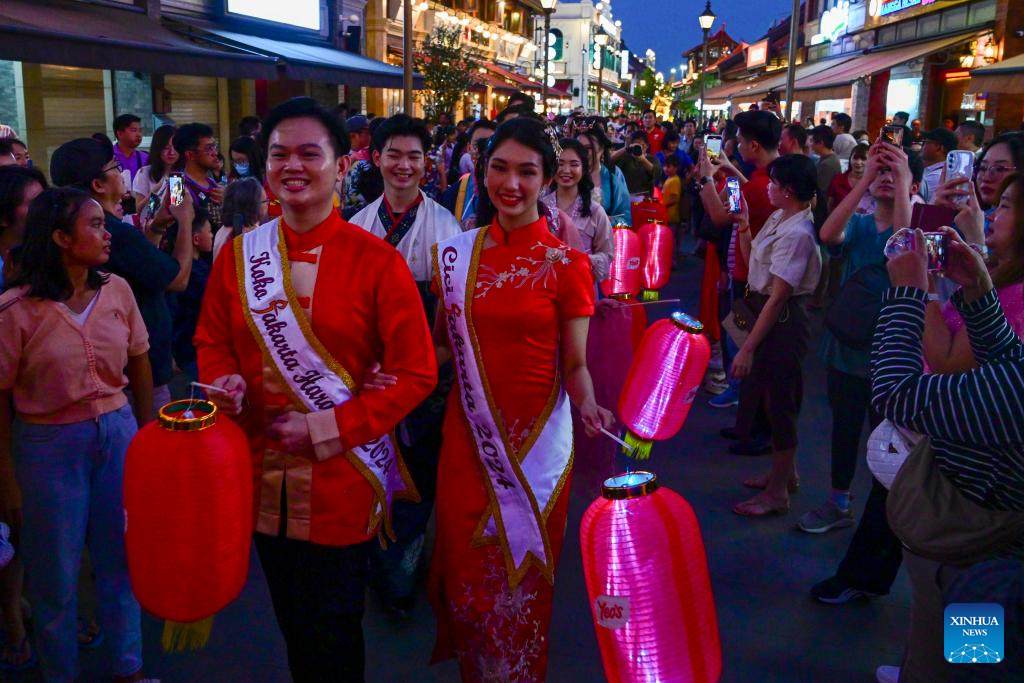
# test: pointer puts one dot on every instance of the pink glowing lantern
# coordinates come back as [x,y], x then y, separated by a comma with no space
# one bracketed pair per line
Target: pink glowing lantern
[662,382]
[659,246]
[625,277]
[647,579]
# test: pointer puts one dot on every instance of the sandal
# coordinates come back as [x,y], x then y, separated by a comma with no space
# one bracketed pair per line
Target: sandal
[759,484]
[90,636]
[10,656]
[760,506]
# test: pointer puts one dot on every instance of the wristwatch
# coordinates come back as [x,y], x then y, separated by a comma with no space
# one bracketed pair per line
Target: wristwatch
[705,180]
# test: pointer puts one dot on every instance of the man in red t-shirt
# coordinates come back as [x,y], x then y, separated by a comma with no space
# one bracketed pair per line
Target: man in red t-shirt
[654,132]
[759,134]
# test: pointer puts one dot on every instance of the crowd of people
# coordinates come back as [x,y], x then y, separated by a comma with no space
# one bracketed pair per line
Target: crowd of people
[437,281]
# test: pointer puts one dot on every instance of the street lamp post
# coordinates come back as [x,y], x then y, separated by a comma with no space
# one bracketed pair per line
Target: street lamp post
[794,23]
[548,6]
[407,29]
[601,38]
[707,20]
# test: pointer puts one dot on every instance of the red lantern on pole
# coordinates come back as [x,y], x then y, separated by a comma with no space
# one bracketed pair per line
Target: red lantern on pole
[648,584]
[647,211]
[625,277]
[659,247]
[188,506]
[662,382]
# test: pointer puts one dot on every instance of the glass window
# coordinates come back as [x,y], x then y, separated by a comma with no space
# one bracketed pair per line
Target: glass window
[907,30]
[887,35]
[929,25]
[954,18]
[982,12]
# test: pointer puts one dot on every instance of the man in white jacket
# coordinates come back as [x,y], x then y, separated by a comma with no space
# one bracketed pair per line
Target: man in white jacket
[412,223]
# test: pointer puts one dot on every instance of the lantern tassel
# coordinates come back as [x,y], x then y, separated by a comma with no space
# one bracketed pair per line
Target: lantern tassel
[641,448]
[180,637]
[649,295]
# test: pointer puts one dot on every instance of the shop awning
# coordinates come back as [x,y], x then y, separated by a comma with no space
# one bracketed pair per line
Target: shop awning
[750,90]
[101,37]
[485,80]
[1006,76]
[511,77]
[301,61]
[878,60]
[615,90]
[562,88]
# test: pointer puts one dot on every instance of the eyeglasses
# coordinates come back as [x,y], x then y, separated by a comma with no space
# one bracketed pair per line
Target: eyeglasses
[997,169]
[117,168]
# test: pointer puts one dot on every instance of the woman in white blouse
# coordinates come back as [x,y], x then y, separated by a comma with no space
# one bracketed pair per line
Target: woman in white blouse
[785,265]
[162,156]
[572,192]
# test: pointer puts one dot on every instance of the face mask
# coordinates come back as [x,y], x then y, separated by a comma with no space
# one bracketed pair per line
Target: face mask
[242,170]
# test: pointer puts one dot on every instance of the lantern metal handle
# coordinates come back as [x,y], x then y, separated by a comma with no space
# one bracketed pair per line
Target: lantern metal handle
[687,323]
[188,415]
[630,485]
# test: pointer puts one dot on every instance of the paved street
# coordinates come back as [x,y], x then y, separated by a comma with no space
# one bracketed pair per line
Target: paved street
[760,569]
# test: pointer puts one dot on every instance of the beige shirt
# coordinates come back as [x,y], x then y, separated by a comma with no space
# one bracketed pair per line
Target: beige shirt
[785,249]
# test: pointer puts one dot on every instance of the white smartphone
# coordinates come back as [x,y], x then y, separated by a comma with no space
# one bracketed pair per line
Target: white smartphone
[960,164]
[733,185]
[713,143]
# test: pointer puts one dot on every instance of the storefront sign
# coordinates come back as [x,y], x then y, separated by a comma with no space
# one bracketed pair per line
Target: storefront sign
[301,13]
[881,8]
[757,54]
[833,24]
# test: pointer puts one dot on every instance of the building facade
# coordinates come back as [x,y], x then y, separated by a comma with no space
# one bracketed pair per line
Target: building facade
[67,68]
[501,32]
[581,65]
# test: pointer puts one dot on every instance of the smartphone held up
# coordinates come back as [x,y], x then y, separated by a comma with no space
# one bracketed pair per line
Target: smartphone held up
[936,245]
[733,187]
[176,189]
[713,144]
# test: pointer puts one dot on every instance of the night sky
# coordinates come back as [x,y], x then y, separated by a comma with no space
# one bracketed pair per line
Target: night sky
[670,26]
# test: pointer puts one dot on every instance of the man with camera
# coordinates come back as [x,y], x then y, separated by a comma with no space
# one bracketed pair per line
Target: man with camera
[640,168]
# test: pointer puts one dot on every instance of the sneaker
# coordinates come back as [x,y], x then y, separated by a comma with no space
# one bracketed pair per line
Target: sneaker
[729,433]
[715,382]
[836,591]
[887,674]
[825,518]
[727,399]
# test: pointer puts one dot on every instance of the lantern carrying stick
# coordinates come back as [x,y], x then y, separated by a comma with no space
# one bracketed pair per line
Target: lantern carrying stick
[629,449]
[210,387]
[656,301]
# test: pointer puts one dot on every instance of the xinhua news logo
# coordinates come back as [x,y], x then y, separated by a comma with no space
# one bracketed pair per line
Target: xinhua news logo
[974,633]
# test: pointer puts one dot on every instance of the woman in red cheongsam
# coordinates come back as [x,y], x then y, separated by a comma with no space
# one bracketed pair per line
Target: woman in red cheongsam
[516,305]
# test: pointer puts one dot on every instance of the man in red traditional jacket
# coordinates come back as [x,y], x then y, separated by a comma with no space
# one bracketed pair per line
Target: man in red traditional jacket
[293,312]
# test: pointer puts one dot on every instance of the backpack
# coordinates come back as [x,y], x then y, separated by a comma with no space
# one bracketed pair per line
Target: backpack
[853,314]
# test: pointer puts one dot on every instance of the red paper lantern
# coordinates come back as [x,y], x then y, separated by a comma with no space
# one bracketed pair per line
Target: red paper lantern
[663,380]
[625,277]
[188,505]
[647,579]
[647,211]
[659,247]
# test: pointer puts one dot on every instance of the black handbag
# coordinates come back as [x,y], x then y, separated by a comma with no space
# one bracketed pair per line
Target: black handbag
[853,314]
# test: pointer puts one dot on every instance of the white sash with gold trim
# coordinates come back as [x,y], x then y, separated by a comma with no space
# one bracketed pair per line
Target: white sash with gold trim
[314,379]
[523,486]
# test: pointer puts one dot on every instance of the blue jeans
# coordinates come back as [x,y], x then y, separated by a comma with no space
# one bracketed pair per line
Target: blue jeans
[71,477]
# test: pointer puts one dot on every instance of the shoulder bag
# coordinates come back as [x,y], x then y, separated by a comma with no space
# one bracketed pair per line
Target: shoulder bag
[937,522]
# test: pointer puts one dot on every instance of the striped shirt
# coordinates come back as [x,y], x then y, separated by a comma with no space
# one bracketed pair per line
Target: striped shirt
[975,419]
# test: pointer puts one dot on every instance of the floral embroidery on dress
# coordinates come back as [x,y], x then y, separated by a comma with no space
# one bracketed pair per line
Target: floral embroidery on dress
[526,271]
[505,637]
[518,431]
